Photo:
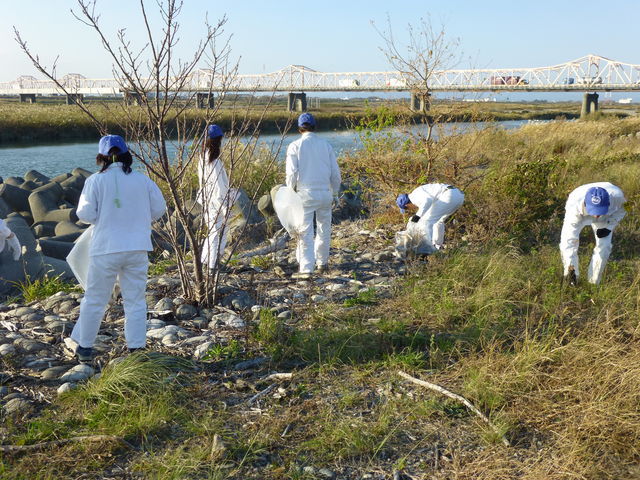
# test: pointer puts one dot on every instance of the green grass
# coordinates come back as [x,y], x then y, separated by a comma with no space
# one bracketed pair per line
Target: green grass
[44,287]
[556,369]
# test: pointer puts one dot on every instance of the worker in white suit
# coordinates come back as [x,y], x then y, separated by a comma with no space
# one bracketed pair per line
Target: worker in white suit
[121,204]
[9,240]
[434,202]
[312,171]
[597,204]
[214,196]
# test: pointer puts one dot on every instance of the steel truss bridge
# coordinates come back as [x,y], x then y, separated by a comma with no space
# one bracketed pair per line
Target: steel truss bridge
[589,73]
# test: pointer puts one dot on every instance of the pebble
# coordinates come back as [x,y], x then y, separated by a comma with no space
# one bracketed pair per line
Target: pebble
[326,473]
[201,351]
[29,345]
[170,339]
[239,300]
[7,349]
[229,319]
[65,387]
[186,311]
[78,373]
[154,323]
[318,298]
[53,373]
[285,315]
[17,405]
[164,304]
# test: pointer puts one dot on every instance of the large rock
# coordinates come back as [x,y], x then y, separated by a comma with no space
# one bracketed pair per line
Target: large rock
[37,177]
[16,197]
[55,249]
[45,204]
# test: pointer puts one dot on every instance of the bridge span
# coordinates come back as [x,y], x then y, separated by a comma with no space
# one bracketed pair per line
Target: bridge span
[590,73]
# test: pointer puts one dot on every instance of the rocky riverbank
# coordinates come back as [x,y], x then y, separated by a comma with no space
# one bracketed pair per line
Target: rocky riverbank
[34,341]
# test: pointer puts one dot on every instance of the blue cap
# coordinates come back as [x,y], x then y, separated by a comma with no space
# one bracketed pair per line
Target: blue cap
[214,131]
[306,118]
[109,141]
[402,201]
[596,201]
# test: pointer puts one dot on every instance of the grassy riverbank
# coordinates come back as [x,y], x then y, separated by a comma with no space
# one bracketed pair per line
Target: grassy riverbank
[47,122]
[556,369]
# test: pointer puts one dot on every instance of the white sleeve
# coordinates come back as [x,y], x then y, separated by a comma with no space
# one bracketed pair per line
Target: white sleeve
[292,166]
[87,210]
[156,201]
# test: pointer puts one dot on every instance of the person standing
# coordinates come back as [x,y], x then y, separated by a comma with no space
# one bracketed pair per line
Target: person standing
[215,196]
[121,204]
[312,171]
[8,238]
[597,204]
[434,202]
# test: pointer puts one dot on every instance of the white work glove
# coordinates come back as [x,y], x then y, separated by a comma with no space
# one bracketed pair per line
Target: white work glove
[14,244]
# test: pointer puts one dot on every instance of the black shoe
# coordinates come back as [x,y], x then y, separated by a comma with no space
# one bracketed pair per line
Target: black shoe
[137,349]
[571,277]
[84,355]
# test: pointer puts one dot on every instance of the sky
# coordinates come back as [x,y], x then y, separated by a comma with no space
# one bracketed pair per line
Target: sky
[331,35]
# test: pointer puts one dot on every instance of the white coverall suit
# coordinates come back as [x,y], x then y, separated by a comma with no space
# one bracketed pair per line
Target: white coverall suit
[576,218]
[312,171]
[215,198]
[121,207]
[8,238]
[435,202]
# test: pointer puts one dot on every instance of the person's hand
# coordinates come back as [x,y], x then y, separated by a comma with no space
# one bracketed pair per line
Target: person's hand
[14,245]
[415,219]
[602,232]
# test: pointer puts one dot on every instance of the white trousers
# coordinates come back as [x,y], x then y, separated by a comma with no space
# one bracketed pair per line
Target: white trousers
[312,250]
[215,243]
[570,241]
[130,269]
[432,222]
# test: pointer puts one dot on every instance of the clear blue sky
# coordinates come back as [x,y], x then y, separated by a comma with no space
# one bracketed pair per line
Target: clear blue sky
[334,35]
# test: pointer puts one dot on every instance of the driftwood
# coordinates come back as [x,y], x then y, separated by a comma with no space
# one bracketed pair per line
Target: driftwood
[20,449]
[459,398]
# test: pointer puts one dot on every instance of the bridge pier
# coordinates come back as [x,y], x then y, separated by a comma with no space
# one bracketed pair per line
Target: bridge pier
[73,98]
[27,98]
[420,102]
[132,98]
[297,102]
[205,100]
[589,104]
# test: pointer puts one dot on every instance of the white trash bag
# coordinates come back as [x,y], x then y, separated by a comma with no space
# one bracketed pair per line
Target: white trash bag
[78,258]
[413,241]
[288,206]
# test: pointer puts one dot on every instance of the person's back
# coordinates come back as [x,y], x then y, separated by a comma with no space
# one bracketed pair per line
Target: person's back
[317,165]
[312,171]
[121,204]
[122,207]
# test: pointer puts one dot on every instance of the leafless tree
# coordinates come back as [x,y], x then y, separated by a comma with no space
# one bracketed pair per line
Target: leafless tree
[427,49]
[157,119]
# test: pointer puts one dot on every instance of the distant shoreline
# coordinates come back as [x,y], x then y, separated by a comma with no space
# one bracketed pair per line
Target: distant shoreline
[45,123]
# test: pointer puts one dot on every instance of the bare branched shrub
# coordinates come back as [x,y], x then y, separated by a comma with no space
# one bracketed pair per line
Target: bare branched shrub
[166,137]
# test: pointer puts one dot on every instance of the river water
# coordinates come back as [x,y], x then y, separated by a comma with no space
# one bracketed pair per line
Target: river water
[54,159]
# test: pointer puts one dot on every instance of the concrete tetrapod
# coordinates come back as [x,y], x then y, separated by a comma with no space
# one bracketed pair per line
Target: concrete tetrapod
[45,204]
[37,177]
[16,197]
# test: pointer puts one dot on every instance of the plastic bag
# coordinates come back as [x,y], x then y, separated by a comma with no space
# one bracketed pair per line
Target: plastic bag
[78,258]
[413,241]
[288,206]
